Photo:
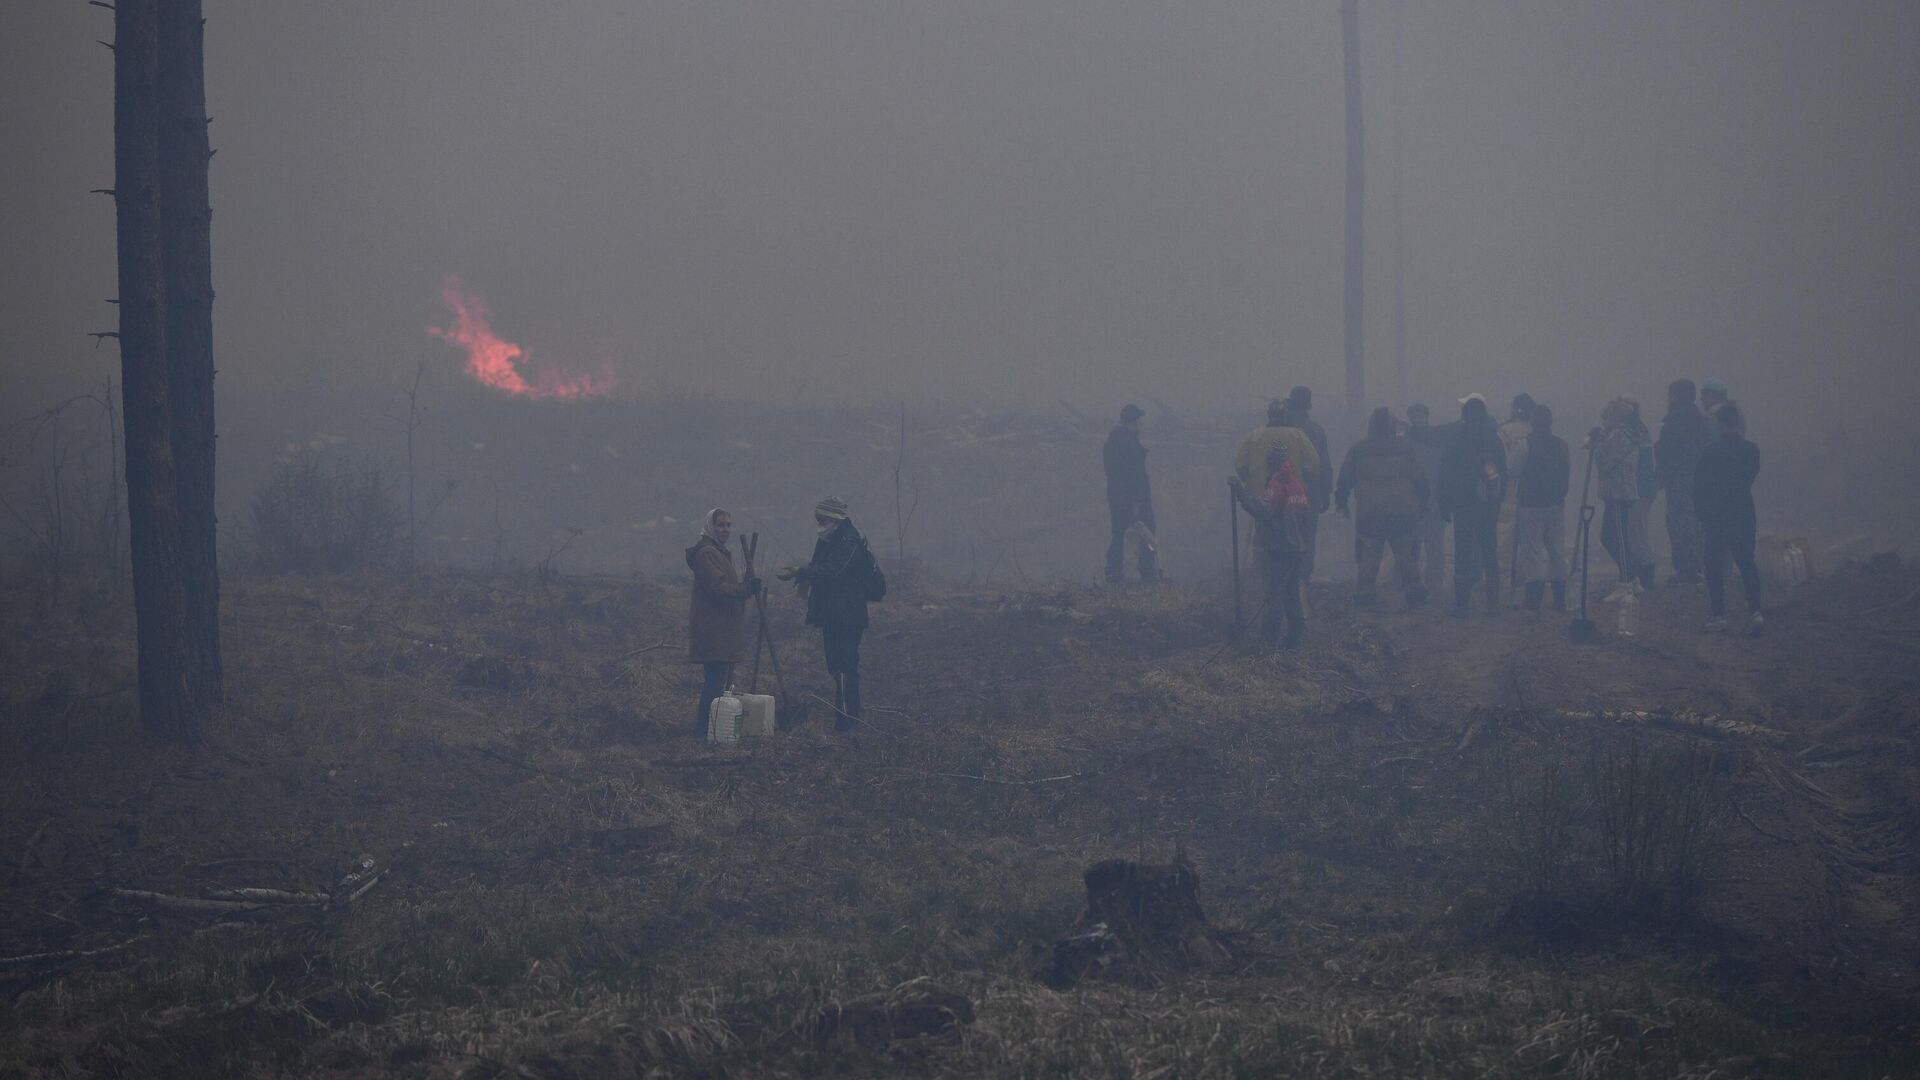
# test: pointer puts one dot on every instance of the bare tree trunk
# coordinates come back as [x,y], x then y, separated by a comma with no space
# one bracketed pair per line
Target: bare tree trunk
[187,269]
[1403,382]
[159,592]
[1356,196]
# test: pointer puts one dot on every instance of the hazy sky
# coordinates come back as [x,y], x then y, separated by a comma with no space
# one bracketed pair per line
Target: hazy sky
[1006,199]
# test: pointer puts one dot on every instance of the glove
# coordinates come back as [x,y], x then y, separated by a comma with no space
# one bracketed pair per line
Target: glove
[1238,485]
[785,573]
[753,586]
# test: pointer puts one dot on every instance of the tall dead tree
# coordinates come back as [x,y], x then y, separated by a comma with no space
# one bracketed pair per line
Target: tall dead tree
[186,218]
[1356,197]
[1397,105]
[159,590]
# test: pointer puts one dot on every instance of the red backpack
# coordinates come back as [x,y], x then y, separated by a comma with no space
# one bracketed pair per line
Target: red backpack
[1285,489]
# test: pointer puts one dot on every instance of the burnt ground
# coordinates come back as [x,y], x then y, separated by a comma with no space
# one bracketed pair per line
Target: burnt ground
[1400,833]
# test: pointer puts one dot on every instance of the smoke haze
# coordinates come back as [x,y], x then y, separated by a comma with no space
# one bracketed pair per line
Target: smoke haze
[1009,201]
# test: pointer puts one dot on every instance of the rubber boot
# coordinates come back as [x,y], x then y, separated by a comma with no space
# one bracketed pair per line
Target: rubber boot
[853,694]
[1559,596]
[1536,590]
[840,721]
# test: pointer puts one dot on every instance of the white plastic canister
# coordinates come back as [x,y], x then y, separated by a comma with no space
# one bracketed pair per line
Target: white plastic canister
[723,719]
[756,714]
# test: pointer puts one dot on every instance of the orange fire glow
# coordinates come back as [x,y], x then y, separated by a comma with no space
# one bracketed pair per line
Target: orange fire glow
[498,363]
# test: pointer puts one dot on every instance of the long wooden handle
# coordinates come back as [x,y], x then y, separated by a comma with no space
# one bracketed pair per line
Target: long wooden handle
[1233,514]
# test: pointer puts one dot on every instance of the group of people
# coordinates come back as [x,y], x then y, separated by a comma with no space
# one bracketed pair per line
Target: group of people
[1501,487]
[838,582]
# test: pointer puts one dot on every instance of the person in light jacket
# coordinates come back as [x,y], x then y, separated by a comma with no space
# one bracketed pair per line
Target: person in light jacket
[717,610]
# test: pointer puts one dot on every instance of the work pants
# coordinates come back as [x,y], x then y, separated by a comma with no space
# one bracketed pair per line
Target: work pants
[843,663]
[1735,544]
[1683,532]
[1540,533]
[1639,519]
[1617,536]
[715,677]
[1506,526]
[1474,553]
[1433,545]
[1369,551]
[1309,537]
[1280,573]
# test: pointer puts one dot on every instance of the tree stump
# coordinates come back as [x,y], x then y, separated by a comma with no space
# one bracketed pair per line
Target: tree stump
[1142,923]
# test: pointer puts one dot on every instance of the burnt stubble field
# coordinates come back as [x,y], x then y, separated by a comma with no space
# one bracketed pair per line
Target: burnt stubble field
[1420,847]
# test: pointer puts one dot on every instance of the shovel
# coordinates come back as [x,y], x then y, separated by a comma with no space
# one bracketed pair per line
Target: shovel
[1582,630]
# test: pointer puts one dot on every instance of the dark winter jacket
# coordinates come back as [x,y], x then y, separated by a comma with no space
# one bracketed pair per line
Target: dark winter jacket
[836,580]
[1545,471]
[1473,469]
[1126,463]
[717,615]
[1428,444]
[1684,436]
[1320,480]
[1383,476]
[1723,484]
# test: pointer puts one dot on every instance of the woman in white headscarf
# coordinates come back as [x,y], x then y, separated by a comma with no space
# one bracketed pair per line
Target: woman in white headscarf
[717,610]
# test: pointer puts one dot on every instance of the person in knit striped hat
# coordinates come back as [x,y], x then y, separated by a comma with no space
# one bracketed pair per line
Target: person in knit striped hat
[838,582]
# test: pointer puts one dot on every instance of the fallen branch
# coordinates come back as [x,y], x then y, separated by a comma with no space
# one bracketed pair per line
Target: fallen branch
[63,956]
[661,644]
[1756,827]
[361,891]
[1009,783]
[218,864]
[1683,721]
[844,713]
[269,896]
[190,904]
[26,853]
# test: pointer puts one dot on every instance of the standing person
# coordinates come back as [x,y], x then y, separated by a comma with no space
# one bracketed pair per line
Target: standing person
[1714,397]
[1723,496]
[1279,514]
[1473,480]
[1250,462]
[1319,477]
[1382,475]
[1129,495]
[1428,442]
[1645,487]
[1542,470]
[1513,435]
[1616,459]
[717,610]
[1684,436]
[837,583]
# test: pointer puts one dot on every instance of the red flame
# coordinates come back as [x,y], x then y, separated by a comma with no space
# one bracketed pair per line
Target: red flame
[497,362]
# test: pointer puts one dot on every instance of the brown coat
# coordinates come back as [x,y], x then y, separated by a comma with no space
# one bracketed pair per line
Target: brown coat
[717,615]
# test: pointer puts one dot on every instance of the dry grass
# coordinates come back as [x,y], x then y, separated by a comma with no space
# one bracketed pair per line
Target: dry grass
[581,889]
